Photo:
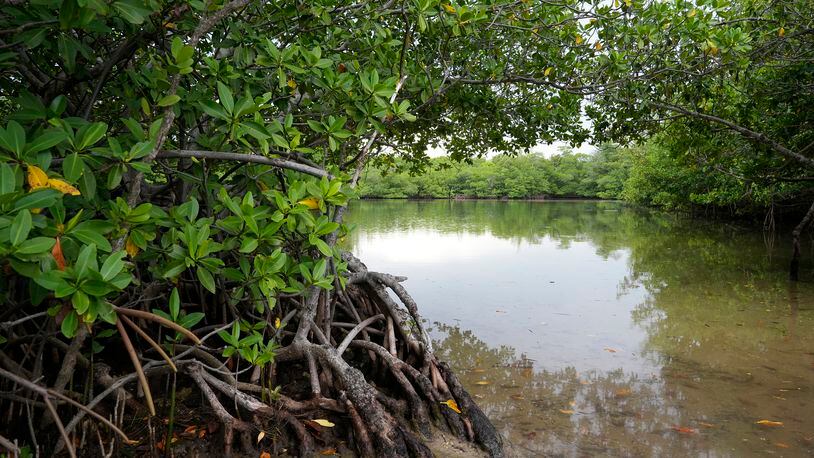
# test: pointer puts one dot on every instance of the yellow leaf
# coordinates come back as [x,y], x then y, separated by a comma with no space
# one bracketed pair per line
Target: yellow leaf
[328,451]
[36,177]
[169,25]
[567,411]
[62,186]
[449,8]
[277,323]
[483,382]
[578,40]
[452,405]
[781,32]
[131,248]
[628,2]
[323,422]
[292,84]
[310,202]
[597,46]
[548,71]
[692,13]
[261,436]
[769,423]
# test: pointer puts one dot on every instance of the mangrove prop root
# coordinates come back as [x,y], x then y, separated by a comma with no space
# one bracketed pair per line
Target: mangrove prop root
[357,357]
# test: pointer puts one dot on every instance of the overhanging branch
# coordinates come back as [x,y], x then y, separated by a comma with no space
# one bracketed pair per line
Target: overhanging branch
[747,133]
[239,157]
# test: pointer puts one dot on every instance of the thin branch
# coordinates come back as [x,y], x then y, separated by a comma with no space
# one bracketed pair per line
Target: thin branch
[240,157]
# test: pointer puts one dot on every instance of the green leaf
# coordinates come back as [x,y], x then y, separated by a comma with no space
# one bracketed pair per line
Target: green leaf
[8,179]
[80,302]
[46,141]
[36,245]
[91,135]
[213,109]
[225,96]
[20,227]
[175,304]
[132,11]
[69,324]
[89,232]
[169,100]
[249,245]
[86,261]
[41,198]
[206,279]
[112,265]
[72,167]
[14,137]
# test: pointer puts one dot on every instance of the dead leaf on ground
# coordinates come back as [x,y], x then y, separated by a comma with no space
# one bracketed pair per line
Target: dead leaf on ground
[622,393]
[265,455]
[483,382]
[684,429]
[328,451]
[261,436]
[769,423]
[781,445]
[323,422]
[567,411]
[610,350]
[517,397]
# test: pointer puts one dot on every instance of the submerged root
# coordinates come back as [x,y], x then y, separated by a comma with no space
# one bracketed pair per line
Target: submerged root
[357,360]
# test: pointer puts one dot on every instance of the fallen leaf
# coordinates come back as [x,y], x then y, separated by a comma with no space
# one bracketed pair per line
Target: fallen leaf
[261,436]
[190,429]
[265,455]
[323,422]
[706,425]
[328,451]
[201,433]
[769,423]
[483,382]
[478,370]
[684,429]
[781,445]
[517,397]
[622,393]
[609,350]
[452,405]
[567,411]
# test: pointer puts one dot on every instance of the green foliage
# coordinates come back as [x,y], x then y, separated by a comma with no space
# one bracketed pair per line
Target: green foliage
[599,175]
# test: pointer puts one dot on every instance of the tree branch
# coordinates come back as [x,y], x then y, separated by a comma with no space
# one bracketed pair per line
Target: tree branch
[255,158]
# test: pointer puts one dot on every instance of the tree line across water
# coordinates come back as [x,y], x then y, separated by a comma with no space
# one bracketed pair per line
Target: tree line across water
[650,174]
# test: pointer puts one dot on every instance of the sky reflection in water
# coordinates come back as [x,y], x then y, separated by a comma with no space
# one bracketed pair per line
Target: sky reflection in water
[592,328]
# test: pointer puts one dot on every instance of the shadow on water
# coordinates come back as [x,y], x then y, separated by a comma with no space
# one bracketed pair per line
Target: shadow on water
[593,328]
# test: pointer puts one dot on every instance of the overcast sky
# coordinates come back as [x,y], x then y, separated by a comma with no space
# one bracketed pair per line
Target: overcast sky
[545,150]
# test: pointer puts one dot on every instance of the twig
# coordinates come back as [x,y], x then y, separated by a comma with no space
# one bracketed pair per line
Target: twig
[150,341]
[137,364]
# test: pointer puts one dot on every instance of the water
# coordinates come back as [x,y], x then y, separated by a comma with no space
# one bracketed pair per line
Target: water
[598,329]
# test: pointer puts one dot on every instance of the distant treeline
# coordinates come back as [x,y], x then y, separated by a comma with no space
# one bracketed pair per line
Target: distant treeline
[656,173]
[600,175]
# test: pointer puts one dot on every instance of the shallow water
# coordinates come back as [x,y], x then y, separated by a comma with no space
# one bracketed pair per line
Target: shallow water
[598,329]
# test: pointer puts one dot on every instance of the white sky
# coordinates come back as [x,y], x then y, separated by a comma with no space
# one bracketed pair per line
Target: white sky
[546,150]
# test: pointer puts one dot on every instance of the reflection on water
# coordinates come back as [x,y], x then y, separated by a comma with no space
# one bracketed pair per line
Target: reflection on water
[592,328]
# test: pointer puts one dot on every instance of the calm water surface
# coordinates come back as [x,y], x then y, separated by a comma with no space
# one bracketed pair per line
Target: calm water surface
[597,329]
